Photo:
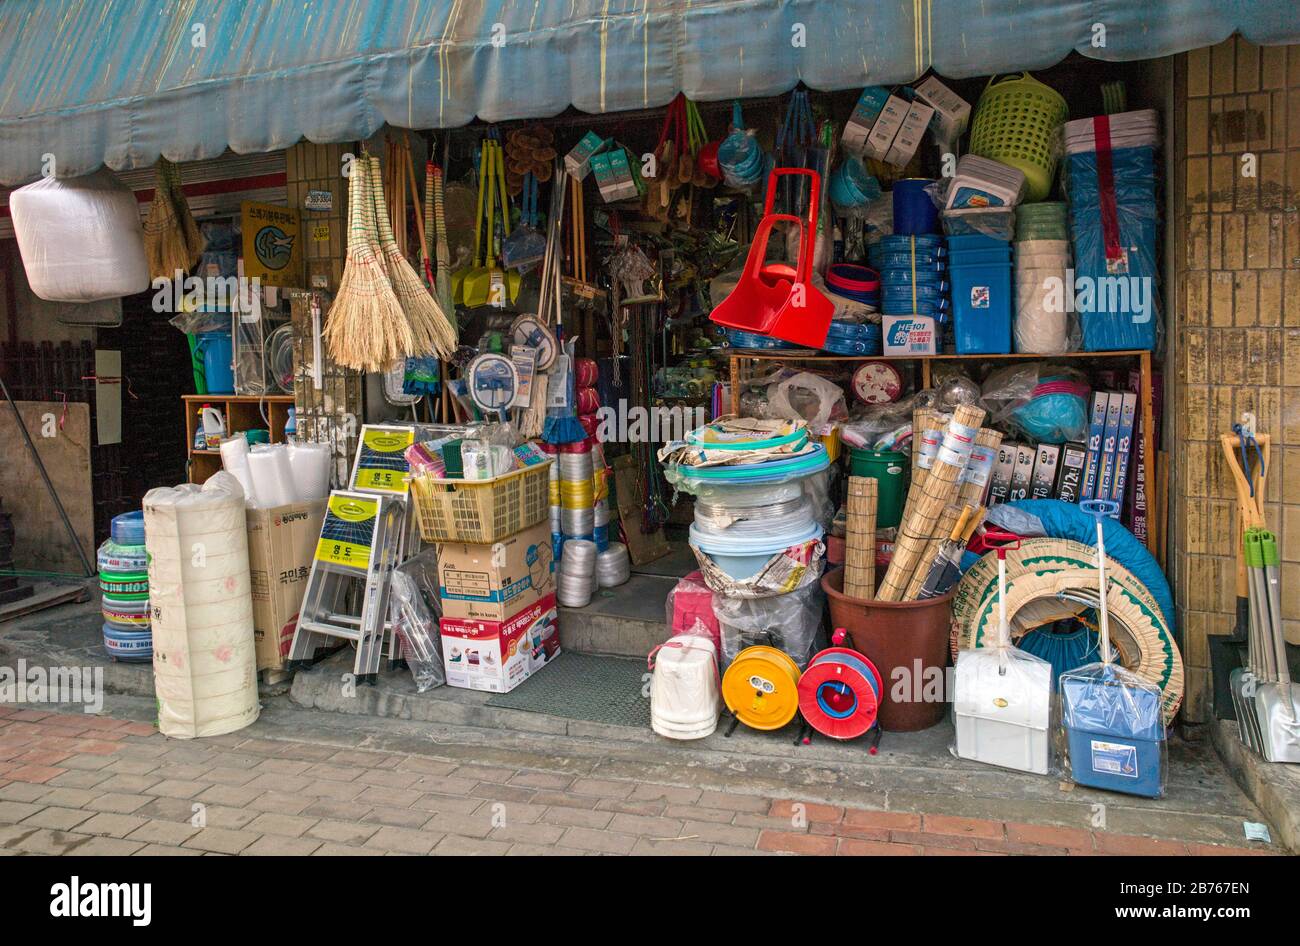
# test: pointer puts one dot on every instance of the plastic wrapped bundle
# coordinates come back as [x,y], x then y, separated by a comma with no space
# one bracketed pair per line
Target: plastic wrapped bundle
[414,609]
[790,622]
[1114,729]
[80,239]
[1113,222]
[205,666]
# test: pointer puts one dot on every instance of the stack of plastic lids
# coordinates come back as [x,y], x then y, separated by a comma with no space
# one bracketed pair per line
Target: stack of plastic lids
[124,583]
[1113,225]
[913,275]
[742,534]
[861,284]
[981,294]
[983,182]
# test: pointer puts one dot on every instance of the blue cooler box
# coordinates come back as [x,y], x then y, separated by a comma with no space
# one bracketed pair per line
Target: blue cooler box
[1114,737]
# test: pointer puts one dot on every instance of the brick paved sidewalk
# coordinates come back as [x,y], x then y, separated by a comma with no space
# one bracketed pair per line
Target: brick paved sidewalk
[74,783]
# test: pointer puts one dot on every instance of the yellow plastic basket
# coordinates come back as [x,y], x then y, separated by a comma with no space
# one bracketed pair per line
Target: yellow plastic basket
[1017,121]
[481,511]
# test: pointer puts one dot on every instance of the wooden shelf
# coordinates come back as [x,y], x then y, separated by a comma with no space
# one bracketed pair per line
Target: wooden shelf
[242,412]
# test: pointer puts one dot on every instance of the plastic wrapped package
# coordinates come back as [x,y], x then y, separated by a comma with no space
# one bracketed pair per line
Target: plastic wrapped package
[1114,730]
[808,397]
[689,609]
[1002,708]
[81,239]
[880,426]
[790,622]
[205,664]
[1047,402]
[818,490]
[1115,249]
[685,687]
[414,609]
[996,222]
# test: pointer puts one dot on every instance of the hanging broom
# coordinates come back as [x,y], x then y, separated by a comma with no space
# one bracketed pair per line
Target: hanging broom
[195,241]
[165,244]
[367,329]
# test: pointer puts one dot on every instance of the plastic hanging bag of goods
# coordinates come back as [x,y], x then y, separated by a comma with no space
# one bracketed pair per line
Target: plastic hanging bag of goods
[80,239]
[1002,708]
[1114,730]
[1047,402]
[791,622]
[414,609]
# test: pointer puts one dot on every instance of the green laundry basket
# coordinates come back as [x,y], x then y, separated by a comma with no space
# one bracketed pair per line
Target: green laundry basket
[1017,121]
[891,470]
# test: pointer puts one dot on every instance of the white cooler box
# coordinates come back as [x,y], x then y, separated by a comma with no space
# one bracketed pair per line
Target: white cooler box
[1003,718]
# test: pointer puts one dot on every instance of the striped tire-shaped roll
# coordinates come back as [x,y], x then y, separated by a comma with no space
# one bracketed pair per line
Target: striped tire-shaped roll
[124,585]
[1042,569]
[112,557]
[128,645]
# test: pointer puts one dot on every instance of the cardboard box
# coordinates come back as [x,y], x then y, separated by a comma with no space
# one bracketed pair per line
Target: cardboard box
[1022,472]
[1043,480]
[1003,467]
[281,544]
[578,161]
[886,127]
[951,111]
[1069,483]
[910,133]
[497,656]
[493,582]
[1096,430]
[908,336]
[858,127]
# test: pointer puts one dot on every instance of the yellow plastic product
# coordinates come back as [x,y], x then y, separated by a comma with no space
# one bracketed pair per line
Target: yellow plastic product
[761,687]
[600,485]
[481,511]
[1017,121]
[577,494]
[831,441]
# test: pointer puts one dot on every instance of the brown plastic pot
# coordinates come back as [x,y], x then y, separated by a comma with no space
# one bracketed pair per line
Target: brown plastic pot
[895,636]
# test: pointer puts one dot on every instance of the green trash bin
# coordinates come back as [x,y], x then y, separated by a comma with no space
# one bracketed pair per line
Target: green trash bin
[891,470]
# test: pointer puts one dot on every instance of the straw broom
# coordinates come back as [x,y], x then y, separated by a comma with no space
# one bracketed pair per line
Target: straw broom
[195,241]
[367,329]
[167,246]
[428,325]
[937,491]
[860,538]
[444,327]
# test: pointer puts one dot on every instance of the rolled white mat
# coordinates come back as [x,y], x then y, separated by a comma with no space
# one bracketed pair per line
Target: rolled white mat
[234,460]
[310,466]
[272,477]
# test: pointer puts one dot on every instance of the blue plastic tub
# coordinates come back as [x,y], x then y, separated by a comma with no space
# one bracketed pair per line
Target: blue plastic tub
[218,361]
[742,557]
[1109,749]
[981,309]
[914,211]
[973,257]
[976,241]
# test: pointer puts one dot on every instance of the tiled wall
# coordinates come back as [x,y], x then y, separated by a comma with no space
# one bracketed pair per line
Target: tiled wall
[1235,325]
[311,167]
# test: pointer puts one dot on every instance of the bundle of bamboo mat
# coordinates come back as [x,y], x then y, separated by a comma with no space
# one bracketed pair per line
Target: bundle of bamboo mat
[938,488]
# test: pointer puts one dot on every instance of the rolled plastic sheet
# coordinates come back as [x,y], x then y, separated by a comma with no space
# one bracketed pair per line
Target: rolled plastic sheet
[234,460]
[600,512]
[613,566]
[575,522]
[579,557]
[309,465]
[272,477]
[572,591]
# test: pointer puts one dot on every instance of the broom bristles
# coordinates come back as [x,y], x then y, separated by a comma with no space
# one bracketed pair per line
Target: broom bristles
[429,327]
[367,329]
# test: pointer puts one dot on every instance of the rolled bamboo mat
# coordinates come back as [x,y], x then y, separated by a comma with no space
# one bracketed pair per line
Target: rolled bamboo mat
[923,448]
[860,538]
[942,530]
[938,490]
[975,480]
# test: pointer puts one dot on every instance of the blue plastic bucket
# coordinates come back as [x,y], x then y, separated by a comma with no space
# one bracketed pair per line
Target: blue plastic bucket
[218,360]
[914,211]
[981,307]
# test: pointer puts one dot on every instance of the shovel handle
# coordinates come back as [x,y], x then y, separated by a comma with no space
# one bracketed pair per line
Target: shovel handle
[1001,542]
[1099,508]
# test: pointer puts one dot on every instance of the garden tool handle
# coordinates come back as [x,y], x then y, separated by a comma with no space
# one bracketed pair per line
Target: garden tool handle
[1001,542]
[1100,509]
[758,248]
[478,217]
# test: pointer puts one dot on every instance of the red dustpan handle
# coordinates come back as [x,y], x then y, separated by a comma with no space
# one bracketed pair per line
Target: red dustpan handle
[804,272]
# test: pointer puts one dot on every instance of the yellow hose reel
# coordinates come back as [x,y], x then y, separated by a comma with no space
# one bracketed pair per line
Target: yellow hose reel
[761,688]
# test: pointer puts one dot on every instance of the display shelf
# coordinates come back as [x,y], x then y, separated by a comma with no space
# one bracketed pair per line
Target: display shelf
[1145,390]
[242,412]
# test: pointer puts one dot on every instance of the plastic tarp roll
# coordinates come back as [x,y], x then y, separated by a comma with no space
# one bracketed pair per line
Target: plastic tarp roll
[309,464]
[81,239]
[205,665]
[273,480]
[234,460]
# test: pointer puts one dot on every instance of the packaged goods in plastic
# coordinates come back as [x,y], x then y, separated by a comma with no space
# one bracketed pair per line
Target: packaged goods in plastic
[81,239]
[205,664]
[790,622]
[1002,708]
[414,609]
[1114,730]
[685,695]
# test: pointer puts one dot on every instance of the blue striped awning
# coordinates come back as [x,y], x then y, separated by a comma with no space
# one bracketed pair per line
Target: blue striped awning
[121,81]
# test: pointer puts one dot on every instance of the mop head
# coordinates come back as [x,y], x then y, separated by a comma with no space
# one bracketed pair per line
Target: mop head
[421,376]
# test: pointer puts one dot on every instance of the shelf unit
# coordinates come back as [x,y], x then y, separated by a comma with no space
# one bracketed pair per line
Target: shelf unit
[742,360]
[242,412]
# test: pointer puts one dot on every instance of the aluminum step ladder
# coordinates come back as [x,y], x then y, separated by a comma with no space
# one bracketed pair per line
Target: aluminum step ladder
[360,544]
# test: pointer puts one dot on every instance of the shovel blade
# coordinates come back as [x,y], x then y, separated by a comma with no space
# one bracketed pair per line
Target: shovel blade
[1279,717]
[1247,720]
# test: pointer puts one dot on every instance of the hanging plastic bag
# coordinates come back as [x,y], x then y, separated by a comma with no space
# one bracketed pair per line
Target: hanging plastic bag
[1047,402]
[740,156]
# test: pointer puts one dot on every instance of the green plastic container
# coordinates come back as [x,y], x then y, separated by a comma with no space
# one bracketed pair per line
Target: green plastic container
[891,470]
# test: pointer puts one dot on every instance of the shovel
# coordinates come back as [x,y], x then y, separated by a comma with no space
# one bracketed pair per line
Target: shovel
[479,283]
[477,271]
[513,277]
[1276,700]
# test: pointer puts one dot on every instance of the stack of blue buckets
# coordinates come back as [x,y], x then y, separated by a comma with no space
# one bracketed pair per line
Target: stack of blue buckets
[913,275]
[981,271]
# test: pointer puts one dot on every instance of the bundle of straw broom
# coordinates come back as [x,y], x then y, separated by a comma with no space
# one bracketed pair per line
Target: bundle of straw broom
[172,240]
[367,329]
[429,326]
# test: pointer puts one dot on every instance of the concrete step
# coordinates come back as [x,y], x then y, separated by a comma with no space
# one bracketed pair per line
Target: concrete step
[627,621]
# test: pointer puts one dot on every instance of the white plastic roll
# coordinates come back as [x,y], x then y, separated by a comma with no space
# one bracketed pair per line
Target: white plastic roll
[272,477]
[310,466]
[1042,326]
[234,460]
[205,665]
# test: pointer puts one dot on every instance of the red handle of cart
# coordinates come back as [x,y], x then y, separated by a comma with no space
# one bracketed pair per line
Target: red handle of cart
[777,173]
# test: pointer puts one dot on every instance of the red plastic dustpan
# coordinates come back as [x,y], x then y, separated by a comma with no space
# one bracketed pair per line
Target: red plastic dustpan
[774,298]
